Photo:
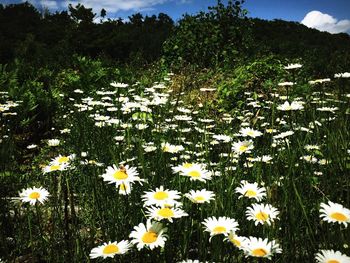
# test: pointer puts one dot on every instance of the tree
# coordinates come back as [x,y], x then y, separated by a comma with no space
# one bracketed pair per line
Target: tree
[164,19]
[136,19]
[81,14]
[103,13]
[215,38]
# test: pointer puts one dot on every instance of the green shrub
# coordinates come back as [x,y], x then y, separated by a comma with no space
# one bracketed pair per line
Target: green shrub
[258,76]
[209,39]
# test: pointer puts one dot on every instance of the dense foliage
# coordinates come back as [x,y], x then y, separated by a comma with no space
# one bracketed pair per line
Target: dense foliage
[323,53]
[51,39]
[215,38]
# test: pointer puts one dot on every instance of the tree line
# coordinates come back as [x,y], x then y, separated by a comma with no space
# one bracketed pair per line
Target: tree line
[46,38]
[221,37]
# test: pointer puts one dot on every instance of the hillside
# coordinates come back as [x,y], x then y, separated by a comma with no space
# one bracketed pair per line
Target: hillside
[324,51]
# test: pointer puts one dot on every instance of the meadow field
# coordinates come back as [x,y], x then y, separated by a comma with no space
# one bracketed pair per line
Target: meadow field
[135,172]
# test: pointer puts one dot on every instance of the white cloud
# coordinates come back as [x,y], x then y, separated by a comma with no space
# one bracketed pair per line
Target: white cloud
[111,6]
[325,22]
[117,5]
[50,4]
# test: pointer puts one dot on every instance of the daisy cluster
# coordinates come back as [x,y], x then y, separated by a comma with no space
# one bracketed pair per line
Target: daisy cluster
[7,113]
[7,106]
[165,171]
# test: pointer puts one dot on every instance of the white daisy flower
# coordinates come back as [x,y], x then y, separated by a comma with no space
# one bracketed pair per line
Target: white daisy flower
[167,147]
[238,241]
[110,249]
[287,83]
[249,132]
[33,195]
[222,225]
[32,146]
[342,75]
[222,137]
[257,247]
[328,109]
[161,197]
[197,172]
[122,175]
[309,158]
[242,147]
[64,131]
[53,142]
[335,213]
[141,126]
[295,105]
[270,130]
[309,147]
[183,167]
[78,91]
[119,138]
[283,135]
[118,85]
[293,66]
[263,159]
[167,213]
[151,235]
[125,188]
[331,256]
[62,160]
[316,81]
[55,167]
[200,196]
[262,214]
[251,190]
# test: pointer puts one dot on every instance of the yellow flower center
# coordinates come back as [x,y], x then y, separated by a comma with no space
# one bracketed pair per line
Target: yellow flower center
[63,159]
[259,252]
[339,216]
[34,195]
[262,216]
[187,165]
[122,187]
[250,133]
[250,193]
[333,261]
[120,175]
[161,195]
[236,242]
[243,148]
[199,198]
[166,149]
[219,229]
[110,249]
[149,237]
[54,167]
[194,174]
[166,212]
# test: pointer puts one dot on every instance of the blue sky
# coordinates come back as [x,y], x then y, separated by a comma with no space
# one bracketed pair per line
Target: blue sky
[295,10]
[331,15]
